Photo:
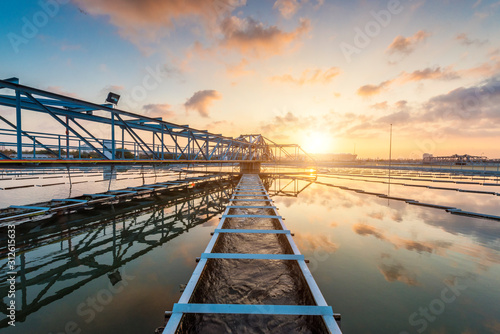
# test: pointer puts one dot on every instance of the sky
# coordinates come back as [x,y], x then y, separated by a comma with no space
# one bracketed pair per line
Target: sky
[331,76]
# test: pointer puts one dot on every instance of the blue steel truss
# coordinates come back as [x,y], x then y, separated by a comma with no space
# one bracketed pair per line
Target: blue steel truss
[141,137]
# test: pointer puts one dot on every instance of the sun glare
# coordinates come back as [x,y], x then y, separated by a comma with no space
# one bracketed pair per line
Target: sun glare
[317,142]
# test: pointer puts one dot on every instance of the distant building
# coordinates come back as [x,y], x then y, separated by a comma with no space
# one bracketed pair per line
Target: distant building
[427,157]
[456,159]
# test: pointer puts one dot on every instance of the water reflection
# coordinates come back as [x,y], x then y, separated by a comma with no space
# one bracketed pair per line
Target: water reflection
[64,254]
[391,260]
[376,264]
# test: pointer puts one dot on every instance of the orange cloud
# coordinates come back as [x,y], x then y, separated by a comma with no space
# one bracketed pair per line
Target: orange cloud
[363,229]
[202,100]
[406,45]
[249,36]
[308,242]
[368,90]
[429,73]
[465,40]
[397,272]
[239,69]
[437,73]
[380,106]
[287,8]
[310,76]
[146,21]
[397,242]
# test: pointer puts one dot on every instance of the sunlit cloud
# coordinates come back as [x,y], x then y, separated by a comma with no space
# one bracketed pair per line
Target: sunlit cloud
[308,242]
[406,45]
[239,69]
[437,73]
[369,90]
[251,37]
[283,126]
[309,76]
[147,21]
[202,100]
[464,39]
[363,229]
[380,105]
[287,8]
[398,242]
[395,271]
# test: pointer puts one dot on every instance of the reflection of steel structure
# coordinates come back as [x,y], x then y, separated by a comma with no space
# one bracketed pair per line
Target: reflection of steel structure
[141,137]
[288,186]
[141,229]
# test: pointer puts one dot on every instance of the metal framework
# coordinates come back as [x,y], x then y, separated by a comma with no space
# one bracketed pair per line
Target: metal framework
[250,189]
[127,234]
[131,136]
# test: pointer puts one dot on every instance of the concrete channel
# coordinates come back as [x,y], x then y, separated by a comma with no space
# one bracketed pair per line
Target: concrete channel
[251,278]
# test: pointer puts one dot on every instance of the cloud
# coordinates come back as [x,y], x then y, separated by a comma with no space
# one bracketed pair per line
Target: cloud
[147,21]
[239,69]
[363,229]
[487,69]
[398,242]
[430,73]
[406,45]
[380,105]
[251,37]
[280,126]
[287,8]
[436,73]
[158,110]
[397,272]
[476,102]
[369,90]
[395,118]
[310,76]
[202,100]
[308,242]
[465,40]
[419,247]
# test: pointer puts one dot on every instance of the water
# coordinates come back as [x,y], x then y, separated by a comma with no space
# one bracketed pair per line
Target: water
[386,266]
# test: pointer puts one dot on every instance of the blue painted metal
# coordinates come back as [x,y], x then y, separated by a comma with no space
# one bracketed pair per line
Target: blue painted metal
[181,142]
[321,308]
[226,230]
[29,207]
[99,195]
[250,195]
[252,256]
[69,200]
[252,216]
[254,309]
[123,191]
[19,126]
[249,200]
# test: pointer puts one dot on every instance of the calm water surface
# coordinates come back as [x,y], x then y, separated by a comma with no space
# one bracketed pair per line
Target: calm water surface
[386,266]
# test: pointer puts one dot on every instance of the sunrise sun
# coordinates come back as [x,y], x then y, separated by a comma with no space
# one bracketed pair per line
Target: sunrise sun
[317,142]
